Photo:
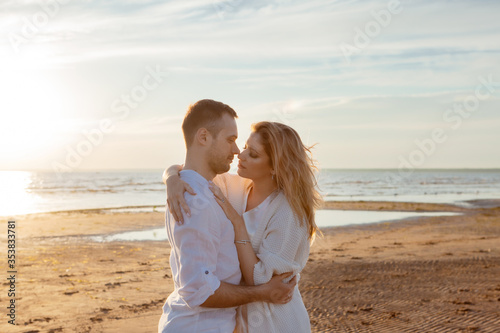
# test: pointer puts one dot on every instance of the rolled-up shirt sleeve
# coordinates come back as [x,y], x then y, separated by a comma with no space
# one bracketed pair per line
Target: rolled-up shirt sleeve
[283,248]
[197,243]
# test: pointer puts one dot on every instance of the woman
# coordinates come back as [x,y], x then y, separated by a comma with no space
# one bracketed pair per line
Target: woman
[271,205]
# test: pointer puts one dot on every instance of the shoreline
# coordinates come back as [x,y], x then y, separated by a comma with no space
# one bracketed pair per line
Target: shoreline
[367,205]
[388,276]
[103,221]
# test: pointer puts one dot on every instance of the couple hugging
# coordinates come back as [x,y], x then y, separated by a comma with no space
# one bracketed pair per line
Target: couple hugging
[238,242]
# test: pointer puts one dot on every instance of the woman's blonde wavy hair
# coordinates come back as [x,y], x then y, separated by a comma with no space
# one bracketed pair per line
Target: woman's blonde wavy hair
[294,170]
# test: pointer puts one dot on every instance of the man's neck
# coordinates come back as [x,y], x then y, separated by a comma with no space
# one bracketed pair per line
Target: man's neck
[197,163]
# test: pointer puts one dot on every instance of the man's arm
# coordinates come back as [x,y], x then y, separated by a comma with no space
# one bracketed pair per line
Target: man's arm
[230,295]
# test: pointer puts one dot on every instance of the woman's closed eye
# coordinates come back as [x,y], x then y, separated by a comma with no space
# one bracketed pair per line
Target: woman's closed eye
[251,153]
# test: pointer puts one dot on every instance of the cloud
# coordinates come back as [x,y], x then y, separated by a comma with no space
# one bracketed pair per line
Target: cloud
[275,60]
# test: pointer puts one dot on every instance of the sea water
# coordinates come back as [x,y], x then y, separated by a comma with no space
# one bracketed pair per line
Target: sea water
[25,192]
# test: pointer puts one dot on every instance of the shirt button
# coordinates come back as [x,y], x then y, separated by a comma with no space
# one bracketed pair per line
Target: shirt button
[206,272]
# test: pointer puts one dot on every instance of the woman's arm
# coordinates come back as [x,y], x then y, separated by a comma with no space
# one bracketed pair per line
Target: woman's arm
[285,245]
[175,193]
[172,170]
[234,186]
[246,254]
[284,248]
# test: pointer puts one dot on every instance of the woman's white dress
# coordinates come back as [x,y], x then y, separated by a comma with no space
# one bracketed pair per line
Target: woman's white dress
[281,243]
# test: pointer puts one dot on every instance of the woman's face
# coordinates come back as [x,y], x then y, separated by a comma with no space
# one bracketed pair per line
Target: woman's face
[254,162]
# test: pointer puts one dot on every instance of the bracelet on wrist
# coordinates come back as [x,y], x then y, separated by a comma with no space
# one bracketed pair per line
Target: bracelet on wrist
[243,241]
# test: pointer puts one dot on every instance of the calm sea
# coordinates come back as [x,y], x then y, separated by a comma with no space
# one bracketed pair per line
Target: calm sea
[32,192]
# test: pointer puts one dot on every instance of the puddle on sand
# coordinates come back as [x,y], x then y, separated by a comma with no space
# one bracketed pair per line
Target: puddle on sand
[324,219]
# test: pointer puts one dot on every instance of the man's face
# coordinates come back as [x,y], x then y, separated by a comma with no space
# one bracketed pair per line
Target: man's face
[221,152]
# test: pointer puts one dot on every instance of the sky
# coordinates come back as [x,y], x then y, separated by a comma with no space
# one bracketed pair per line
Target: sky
[89,85]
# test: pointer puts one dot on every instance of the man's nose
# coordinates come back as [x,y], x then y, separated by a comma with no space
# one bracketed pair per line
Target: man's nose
[236,150]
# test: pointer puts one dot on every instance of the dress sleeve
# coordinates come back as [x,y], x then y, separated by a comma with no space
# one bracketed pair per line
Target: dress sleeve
[198,242]
[284,248]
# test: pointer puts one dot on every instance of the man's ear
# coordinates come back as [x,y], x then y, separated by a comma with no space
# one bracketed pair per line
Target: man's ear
[203,136]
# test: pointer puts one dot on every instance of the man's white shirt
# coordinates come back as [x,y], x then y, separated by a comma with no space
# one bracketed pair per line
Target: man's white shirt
[202,255]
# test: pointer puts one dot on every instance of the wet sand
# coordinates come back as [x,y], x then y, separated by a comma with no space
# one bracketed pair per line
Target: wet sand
[432,274]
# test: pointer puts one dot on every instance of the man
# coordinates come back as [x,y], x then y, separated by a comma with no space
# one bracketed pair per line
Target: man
[203,256]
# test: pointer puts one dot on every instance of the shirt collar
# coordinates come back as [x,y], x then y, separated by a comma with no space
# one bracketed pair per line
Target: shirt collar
[194,176]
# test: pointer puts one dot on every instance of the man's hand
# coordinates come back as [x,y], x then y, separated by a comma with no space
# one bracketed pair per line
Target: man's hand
[280,292]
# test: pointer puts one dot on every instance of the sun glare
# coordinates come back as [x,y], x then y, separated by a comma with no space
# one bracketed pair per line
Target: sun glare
[30,106]
[16,200]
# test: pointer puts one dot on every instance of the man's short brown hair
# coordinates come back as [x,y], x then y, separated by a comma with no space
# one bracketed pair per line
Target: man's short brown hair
[205,113]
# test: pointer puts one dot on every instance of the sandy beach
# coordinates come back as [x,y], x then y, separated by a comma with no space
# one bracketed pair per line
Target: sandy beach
[432,274]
